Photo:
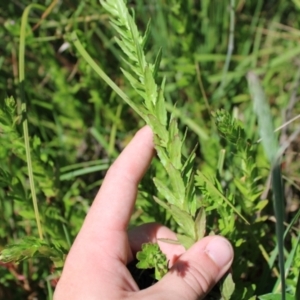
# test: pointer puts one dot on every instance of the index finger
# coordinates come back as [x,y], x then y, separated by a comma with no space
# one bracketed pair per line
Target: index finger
[115,200]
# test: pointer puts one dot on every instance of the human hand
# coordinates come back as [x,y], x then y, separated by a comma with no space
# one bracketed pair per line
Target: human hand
[96,264]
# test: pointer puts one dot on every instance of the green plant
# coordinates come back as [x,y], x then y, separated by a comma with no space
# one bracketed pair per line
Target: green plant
[179,197]
[77,125]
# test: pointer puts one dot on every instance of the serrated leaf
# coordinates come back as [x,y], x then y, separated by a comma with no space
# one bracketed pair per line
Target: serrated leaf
[158,129]
[138,87]
[161,152]
[146,35]
[261,204]
[150,257]
[241,186]
[188,166]
[255,196]
[200,178]
[157,63]
[200,224]
[175,144]
[160,107]
[135,83]
[129,52]
[30,247]
[108,7]
[185,241]
[228,287]
[135,37]
[133,66]
[163,204]
[150,88]
[165,191]
[175,151]
[190,202]
[182,218]
[176,183]
[173,127]
[137,108]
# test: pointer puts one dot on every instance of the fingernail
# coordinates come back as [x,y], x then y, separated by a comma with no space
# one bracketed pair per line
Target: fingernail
[220,251]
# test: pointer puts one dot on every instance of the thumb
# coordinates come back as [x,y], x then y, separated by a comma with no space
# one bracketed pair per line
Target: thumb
[197,270]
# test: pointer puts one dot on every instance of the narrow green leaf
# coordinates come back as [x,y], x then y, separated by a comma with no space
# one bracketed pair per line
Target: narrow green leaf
[138,47]
[146,35]
[30,247]
[150,88]
[160,107]
[228,287]
[157,62]
[130,53]
[176,183]
[241,186]
[261,204]
[272,296]
[271,147]
[99,71]
[158,129]
[278,201]
[24,22]
[161,152]
[135,69]
[175,144]
[169,241]
[192,124]
[162,203]
[275,251]
[164,191]
[264,118]
[185,241]
[297,294]
[182,218]
[138,87]
[132,80]
[200,178]
[200,224]
[221,161]
[190,201]
[188,166]
[289,261]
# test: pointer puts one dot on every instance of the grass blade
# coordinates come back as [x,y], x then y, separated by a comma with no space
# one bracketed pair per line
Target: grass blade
[102,74]
[275,252]
[271,147]
[288,264]
[24,113]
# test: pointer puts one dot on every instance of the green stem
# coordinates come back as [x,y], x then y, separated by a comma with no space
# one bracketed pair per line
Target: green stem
[229,49]
[24,113]
[101,73]
[278,199]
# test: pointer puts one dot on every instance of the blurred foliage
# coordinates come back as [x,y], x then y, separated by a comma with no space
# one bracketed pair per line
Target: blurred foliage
[77,125]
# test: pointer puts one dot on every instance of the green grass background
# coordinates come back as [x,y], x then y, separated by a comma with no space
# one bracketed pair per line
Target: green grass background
[77,125]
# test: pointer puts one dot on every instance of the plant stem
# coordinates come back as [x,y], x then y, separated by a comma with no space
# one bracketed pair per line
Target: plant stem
[100,72]
[229,49]
[24,113]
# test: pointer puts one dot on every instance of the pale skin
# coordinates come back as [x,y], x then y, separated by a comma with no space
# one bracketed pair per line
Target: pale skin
[96,264]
